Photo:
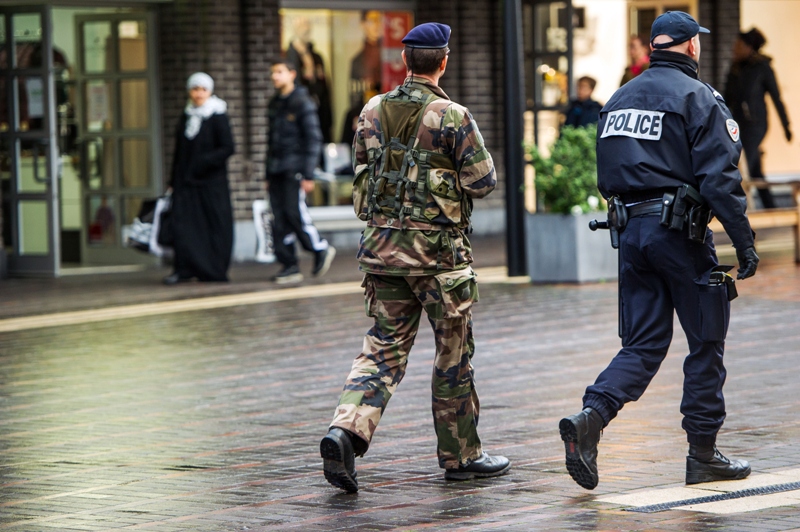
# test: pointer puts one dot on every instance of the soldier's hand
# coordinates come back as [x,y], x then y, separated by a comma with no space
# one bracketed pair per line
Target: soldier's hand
[748,262]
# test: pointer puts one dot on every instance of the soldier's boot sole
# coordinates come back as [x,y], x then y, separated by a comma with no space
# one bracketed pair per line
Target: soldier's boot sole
[333,465]
[577,468]
[699,472]
[469,475]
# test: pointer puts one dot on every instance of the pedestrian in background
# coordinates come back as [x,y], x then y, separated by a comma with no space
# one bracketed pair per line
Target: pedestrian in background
[583,110]
[202,216]
[294,147]
[750,79]
[416,196]
[639,52]
[662,132]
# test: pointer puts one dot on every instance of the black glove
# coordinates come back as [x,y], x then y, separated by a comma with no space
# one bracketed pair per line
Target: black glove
[748,262]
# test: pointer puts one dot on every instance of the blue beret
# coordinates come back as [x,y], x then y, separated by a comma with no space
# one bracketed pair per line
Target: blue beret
[428,35]
[676,24]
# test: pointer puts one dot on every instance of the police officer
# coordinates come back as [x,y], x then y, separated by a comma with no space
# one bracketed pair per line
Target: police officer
[419,161]
[661,131]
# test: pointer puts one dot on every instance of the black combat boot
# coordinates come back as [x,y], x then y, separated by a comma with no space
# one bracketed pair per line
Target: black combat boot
[484,466]
[581,433]
[339,460]
[707,464]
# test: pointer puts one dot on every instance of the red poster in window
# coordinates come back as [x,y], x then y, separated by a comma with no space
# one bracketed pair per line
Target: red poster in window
[396,24]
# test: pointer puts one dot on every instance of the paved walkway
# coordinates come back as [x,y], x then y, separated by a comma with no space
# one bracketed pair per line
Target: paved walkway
[210,419]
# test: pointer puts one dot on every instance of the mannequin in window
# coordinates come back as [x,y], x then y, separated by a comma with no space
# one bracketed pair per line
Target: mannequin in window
[311,72]
[366,68]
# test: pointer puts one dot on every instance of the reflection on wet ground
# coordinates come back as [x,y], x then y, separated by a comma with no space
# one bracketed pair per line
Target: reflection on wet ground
[211,419]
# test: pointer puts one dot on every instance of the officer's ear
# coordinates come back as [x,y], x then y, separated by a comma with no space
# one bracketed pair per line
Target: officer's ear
[443,64]
[693,49]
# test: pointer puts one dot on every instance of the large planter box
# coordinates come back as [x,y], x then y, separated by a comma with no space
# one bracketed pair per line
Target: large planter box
[561,248]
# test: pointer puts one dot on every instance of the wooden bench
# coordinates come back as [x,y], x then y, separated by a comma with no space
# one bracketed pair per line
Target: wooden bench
[769,218]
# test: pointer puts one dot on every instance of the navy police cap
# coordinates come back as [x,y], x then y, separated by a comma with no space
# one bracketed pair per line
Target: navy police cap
[676,24]
[429,35]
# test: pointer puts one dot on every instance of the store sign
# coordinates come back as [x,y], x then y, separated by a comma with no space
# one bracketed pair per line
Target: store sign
[395,26]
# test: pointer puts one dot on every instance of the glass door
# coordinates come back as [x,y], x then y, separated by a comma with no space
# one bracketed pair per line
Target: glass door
[28,145]
[547,33]
[117,124]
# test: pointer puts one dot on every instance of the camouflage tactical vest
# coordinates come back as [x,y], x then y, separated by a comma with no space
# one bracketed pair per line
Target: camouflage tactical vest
[404,182]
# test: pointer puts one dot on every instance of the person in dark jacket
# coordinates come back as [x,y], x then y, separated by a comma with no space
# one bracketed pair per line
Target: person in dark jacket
[202,217]
[750,78]
[661,132]
[583,110]
[294,146]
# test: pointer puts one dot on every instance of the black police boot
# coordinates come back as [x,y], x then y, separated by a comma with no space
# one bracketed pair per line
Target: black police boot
[339,460]
[484,467]
[707,464]
[581,433]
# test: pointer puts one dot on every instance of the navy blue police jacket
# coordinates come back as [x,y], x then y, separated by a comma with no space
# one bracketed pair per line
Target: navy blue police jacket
[666,128]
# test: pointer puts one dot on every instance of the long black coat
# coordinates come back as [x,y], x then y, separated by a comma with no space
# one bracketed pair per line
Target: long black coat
[748,83]
[202,215]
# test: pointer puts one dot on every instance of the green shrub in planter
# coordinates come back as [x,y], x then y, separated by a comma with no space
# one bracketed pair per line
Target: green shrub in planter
[567,180]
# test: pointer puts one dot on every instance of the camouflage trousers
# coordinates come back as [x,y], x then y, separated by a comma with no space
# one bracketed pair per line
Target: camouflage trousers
[397,303]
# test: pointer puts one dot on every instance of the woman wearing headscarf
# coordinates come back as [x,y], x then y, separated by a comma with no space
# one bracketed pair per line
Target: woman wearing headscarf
[751,77]
[202,216]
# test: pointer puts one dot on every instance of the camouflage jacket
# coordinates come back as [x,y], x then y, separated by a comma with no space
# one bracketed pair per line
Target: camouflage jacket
[421,248]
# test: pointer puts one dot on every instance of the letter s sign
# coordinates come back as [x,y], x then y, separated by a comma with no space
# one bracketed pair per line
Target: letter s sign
[397,29]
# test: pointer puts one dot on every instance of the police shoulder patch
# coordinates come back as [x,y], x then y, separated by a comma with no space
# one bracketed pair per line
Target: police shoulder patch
[733,129]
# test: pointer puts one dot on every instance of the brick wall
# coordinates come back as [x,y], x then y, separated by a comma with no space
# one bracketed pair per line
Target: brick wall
[231,40]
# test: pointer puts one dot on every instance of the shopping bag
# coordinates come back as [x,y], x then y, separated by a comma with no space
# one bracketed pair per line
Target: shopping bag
[157,248]
[166,237]
[139,233]
[262,218]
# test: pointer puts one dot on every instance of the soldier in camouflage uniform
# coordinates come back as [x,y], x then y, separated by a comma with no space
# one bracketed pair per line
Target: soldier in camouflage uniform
[419,161]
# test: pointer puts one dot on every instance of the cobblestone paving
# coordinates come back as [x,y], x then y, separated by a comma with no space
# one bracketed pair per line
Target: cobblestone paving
[211,420]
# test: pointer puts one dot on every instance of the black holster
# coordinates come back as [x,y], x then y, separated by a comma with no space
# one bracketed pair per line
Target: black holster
[617,219]
[615,222]
[686,208]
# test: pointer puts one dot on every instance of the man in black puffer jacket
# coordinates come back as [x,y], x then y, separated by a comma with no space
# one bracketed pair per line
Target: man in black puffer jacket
[294,146]
[749,80]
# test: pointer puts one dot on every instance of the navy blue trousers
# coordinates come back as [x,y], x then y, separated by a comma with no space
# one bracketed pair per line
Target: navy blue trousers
[662,271]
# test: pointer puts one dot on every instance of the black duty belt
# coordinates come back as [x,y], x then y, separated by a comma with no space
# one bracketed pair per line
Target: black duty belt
[645,195]
[643,209]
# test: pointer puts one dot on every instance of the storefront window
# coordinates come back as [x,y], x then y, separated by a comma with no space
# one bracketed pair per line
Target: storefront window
[344,57]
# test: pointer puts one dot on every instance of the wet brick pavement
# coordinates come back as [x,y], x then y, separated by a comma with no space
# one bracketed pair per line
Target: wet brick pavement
[210,420]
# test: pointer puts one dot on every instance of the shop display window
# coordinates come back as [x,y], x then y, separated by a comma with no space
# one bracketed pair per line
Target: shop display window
[343,57]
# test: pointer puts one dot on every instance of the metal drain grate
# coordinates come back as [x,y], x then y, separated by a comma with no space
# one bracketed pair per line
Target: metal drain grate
[751,492]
